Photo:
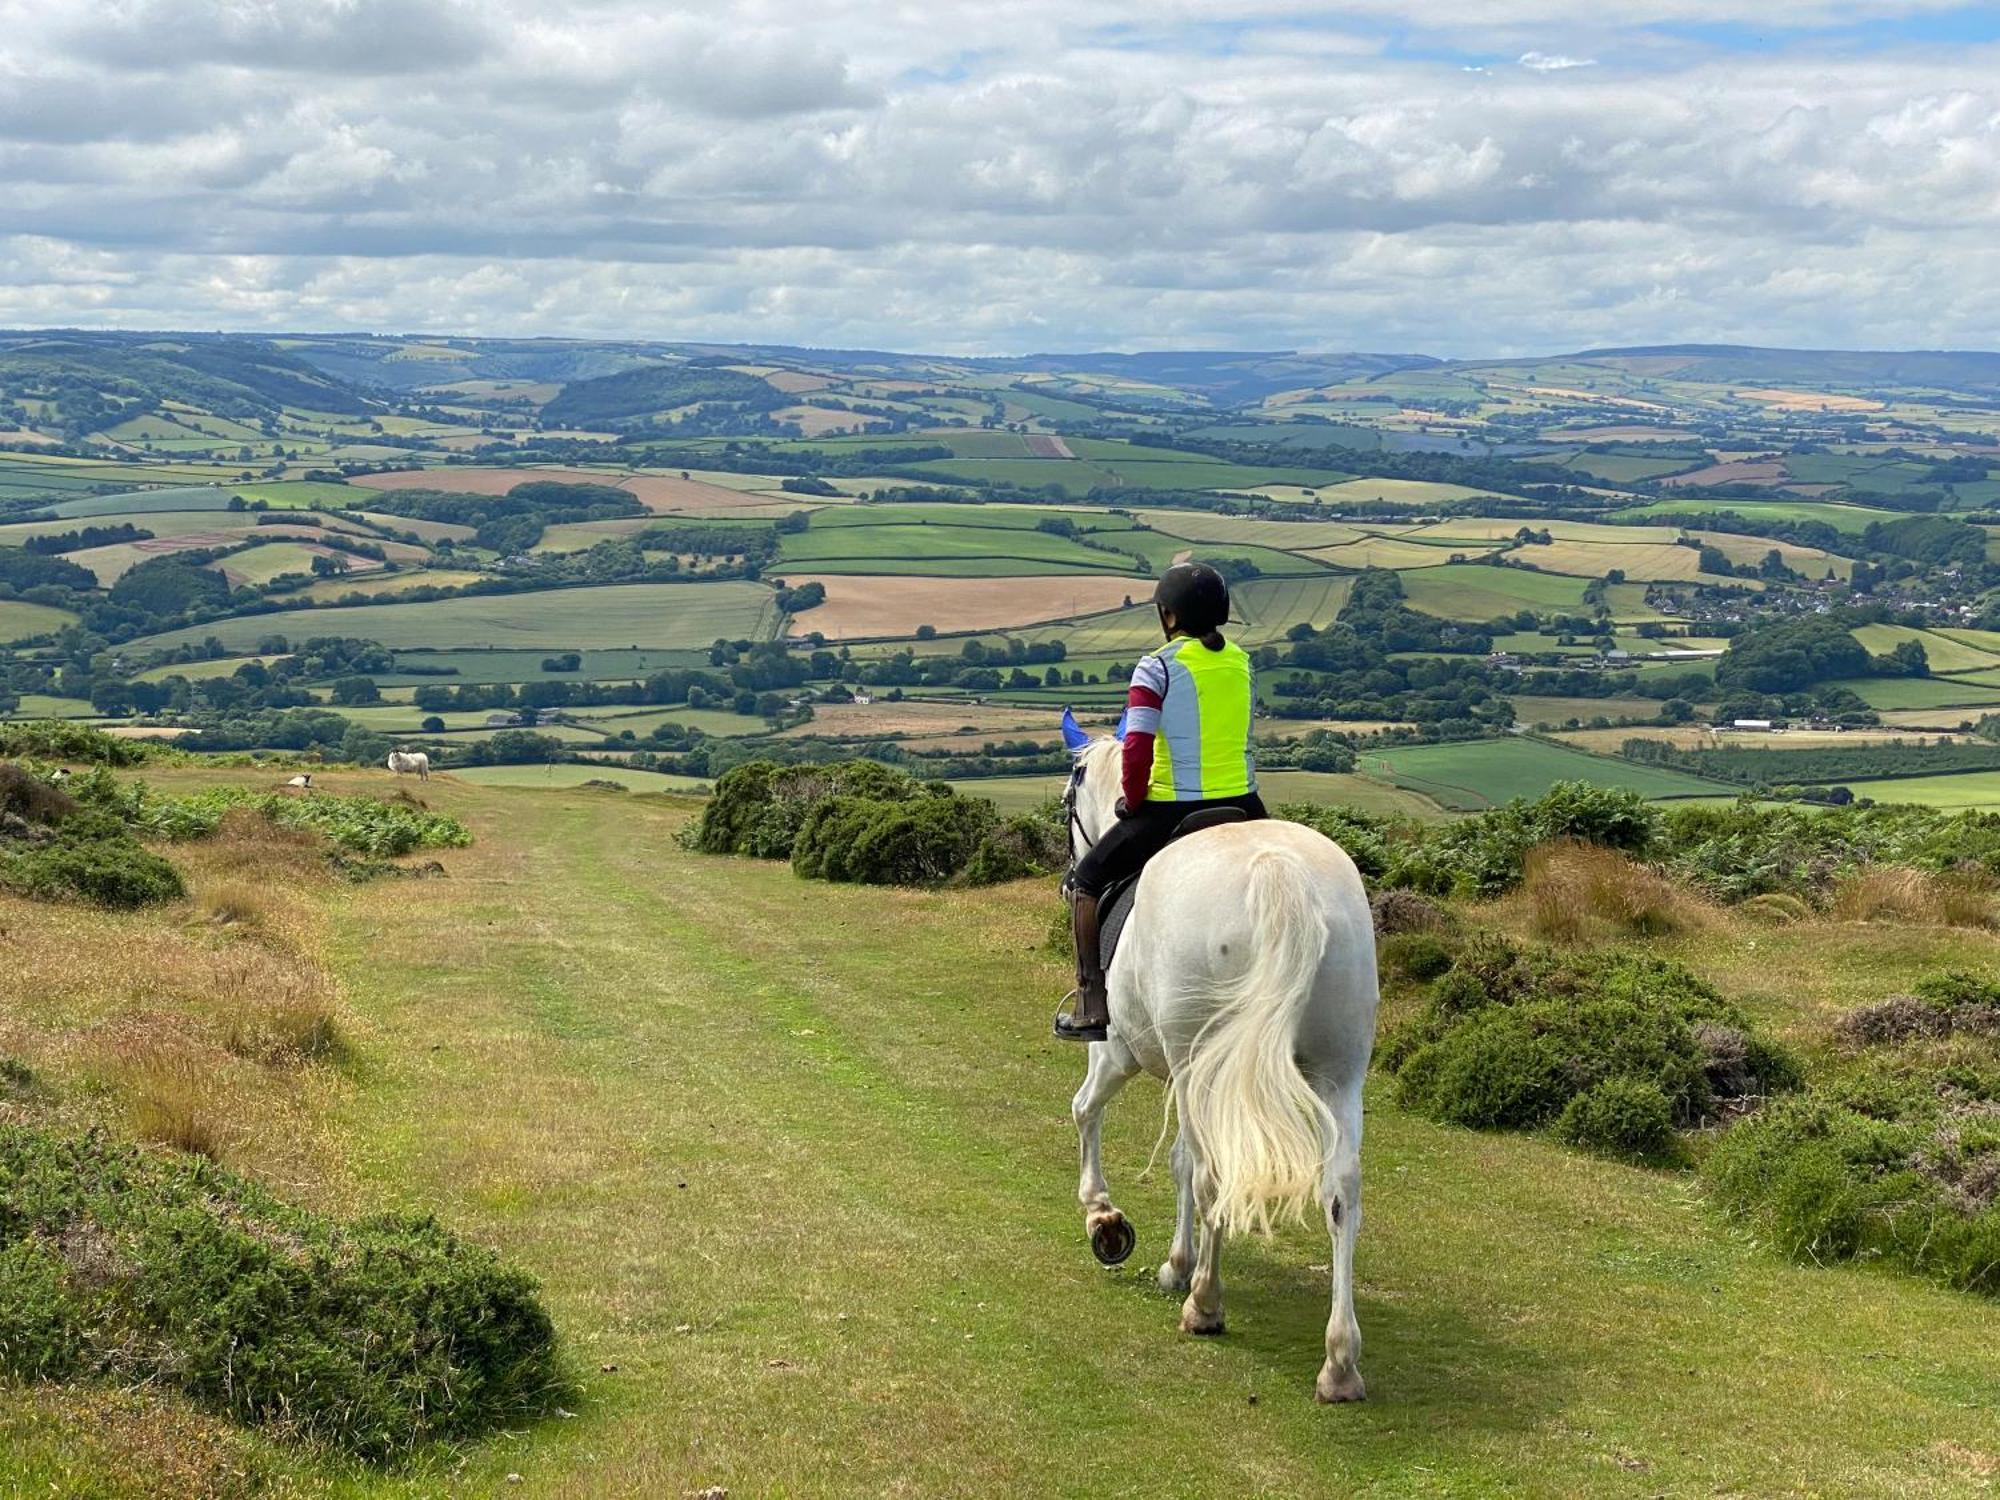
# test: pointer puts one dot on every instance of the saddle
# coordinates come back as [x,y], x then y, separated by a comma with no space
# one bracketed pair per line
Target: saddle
[1115,905]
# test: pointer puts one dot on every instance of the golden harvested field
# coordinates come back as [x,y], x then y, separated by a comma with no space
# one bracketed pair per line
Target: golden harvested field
[1811,400]
[1390,552]
[862,604]
[1740,471]
[1640,561]
[385,585]
[821,421]
[1502,529]
[1811,562]
[430,531]
[475,481]
[669,494]
[1626,434]
[1701,737]
[1413,492]
[932,718]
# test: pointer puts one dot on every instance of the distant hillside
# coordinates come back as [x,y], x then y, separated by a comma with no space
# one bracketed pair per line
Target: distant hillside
[1732,363]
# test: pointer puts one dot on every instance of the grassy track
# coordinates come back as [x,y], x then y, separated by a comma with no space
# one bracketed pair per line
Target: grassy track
[795,1164]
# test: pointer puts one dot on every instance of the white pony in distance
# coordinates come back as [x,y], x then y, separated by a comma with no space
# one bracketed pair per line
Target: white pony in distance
[405,762]
[1245,978]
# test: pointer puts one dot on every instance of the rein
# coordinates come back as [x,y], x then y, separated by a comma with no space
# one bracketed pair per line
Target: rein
[1076,833]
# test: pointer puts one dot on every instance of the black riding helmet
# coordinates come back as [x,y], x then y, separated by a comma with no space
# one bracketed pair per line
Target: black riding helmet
[1197,595]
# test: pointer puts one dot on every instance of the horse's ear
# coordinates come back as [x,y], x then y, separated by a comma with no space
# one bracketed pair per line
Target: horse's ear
[1074,739]
[1119,732]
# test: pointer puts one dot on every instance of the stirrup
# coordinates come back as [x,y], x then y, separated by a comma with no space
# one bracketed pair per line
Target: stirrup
[1068,1030]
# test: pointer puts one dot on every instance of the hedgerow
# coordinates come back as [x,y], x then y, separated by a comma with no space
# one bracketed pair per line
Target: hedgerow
[373,1336]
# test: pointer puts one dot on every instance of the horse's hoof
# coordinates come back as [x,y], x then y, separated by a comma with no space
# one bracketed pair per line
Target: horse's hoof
[1173,1278]
[1201,1324]
[1112,1239]
[1333,1389]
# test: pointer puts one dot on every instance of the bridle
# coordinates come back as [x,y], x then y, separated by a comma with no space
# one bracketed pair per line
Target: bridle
[1075,825]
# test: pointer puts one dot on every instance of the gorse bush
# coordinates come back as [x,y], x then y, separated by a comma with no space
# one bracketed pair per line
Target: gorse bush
[1894,1154]
[861,821]
[61,740]
[1625,1118]
[1509,1037]
[54,847]
[373,1336]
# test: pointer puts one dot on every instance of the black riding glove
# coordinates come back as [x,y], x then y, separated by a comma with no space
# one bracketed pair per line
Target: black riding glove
[1121,811]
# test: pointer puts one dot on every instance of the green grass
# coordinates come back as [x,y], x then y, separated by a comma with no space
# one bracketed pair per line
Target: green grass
[565,776]
[48,706]
[1486,773]
[670,615]
[1014,794]
[1921,692]
[1470,591]
[259,565]
[1848,518]
[946,550]
[1967,790]
[19,619]
[1944,653]
[773,1213]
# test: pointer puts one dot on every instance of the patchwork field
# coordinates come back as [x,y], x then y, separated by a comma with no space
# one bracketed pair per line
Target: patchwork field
[670,616]
[1473,592]
[859,605]
[1485,773]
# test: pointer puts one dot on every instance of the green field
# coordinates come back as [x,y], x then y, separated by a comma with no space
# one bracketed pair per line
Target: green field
[20,619]
[565,776]
[1921,692]
[946,550]
[1470,591]
[1014,794]
[1485,773]
[669,615]
[1978,790]
[1852,518]
[1964,651]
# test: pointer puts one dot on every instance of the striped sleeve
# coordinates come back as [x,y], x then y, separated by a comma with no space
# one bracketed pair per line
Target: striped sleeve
[1142,723]
[1147,693]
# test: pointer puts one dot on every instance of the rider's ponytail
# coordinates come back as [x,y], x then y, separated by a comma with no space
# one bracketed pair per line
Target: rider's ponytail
[1212,640]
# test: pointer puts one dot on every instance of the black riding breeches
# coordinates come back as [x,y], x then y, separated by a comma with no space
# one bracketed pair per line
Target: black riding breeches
[1132,840]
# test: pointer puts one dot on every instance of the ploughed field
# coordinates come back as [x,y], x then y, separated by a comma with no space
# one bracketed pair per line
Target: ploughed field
[794,1164]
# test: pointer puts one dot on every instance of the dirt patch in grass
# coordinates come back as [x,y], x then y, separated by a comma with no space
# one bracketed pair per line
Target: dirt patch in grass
[865,605]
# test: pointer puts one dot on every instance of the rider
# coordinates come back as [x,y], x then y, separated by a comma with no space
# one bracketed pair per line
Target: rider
[1186,748]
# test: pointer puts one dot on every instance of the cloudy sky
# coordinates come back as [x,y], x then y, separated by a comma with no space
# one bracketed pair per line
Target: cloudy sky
[1012,175]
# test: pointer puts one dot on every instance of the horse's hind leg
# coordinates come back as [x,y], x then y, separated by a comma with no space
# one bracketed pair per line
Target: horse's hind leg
[1111,1067]
[1180,1258]
[1340,1195]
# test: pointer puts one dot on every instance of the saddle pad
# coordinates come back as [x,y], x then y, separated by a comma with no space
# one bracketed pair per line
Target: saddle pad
[1112,911]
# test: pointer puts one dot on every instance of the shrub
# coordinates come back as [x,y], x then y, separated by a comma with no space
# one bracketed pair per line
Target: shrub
[1622,1118]
[113,872]
[373,1336]
[1415,957]
[1018,847]
[922,840]
[1405,911]
[62,740]
[1510,1036]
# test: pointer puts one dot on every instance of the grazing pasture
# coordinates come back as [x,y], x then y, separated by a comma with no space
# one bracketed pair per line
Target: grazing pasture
[662,615]
[19,619]
[1964,790]
[571,776]
[1470,591]
[1963,651]
[1485,773]
[971,549]
[861,605]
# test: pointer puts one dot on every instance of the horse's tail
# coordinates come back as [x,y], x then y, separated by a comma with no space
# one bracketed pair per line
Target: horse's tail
[1259,1131]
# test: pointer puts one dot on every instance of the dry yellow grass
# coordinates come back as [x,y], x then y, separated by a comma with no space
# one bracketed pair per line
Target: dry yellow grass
[1956,898]
[1576,891]
[196,1025]
[862,605]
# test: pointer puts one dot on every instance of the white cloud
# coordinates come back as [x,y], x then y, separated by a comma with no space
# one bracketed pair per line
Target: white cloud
[965,177]
[1546,62]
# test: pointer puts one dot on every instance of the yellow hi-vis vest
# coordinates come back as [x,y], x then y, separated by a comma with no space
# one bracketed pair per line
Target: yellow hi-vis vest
[1202,751]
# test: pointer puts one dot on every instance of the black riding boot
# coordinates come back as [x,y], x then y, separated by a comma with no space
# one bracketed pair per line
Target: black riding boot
[1091,1014]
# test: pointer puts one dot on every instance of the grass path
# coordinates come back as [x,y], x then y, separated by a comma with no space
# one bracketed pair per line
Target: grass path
[795,1164]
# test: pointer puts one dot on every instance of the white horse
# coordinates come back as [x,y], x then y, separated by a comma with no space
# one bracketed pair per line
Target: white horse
[1246,980]
[402,762]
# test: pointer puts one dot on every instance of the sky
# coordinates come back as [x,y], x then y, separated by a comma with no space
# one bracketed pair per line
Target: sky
[1452,177]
